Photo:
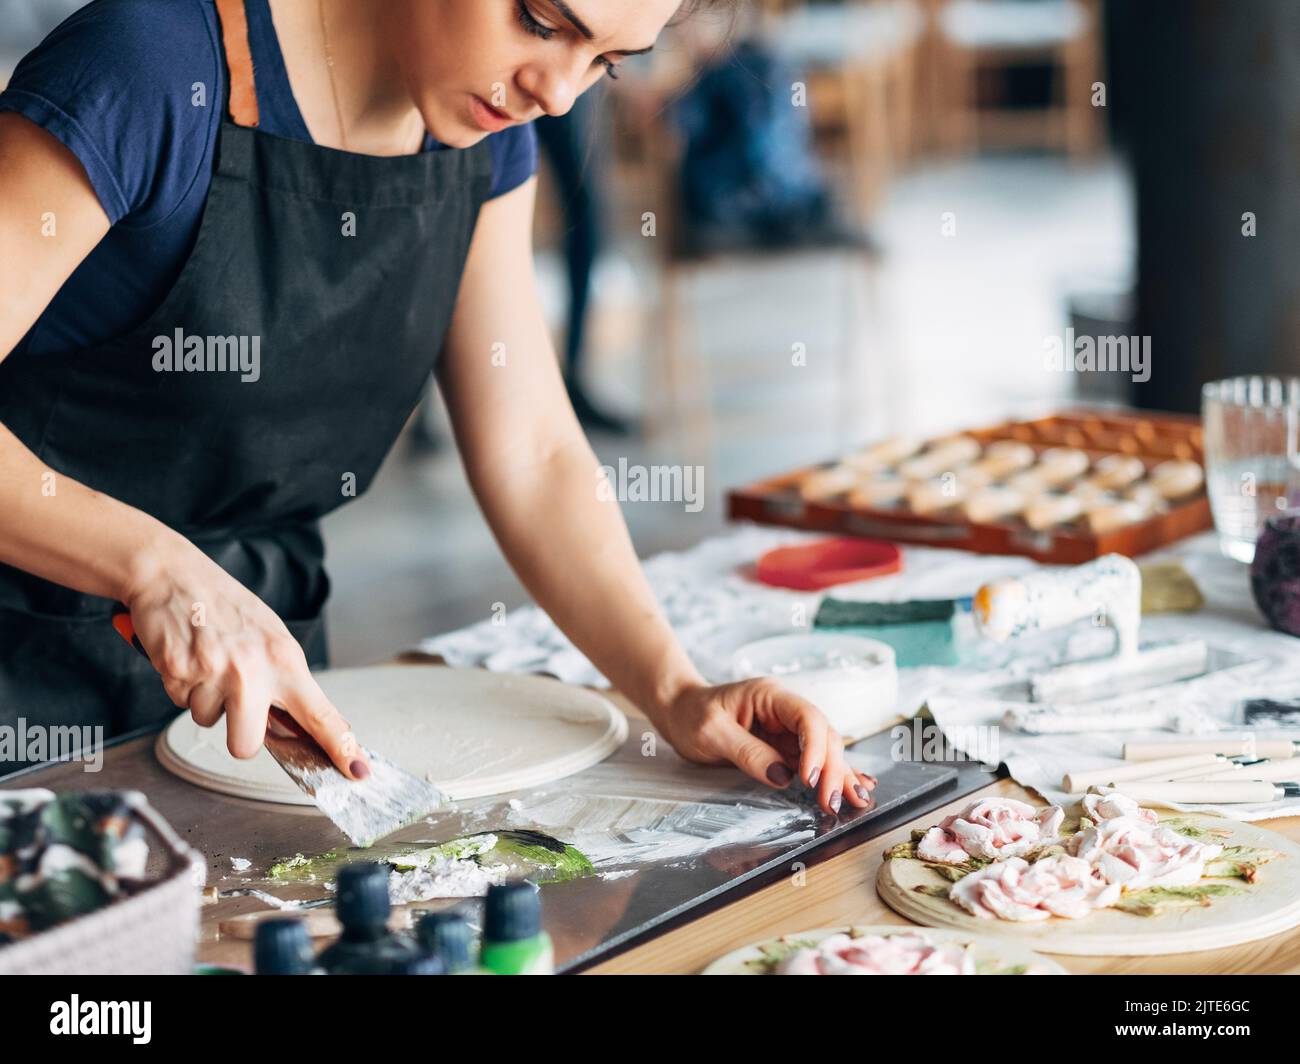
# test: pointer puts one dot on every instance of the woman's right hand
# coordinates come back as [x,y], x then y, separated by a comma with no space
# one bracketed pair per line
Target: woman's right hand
[220,650]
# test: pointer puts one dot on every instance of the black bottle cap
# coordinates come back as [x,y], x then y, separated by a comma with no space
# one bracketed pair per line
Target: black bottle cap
[447,935]
[363,895]
[418,964]
[282,947]
[512,912]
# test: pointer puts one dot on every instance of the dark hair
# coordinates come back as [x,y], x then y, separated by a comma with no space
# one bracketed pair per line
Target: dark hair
[696,7]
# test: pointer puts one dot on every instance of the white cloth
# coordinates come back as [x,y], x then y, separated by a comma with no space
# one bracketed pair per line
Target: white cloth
[716,606]
[1270,668]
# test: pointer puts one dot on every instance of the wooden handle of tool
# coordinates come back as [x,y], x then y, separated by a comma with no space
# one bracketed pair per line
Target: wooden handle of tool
[1219,770]
[1229,745]
[1079,781]
[1286,771]
[320,923]
[1219,792]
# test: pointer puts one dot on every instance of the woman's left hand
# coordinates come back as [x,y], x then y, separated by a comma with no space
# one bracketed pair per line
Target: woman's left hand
[769,733]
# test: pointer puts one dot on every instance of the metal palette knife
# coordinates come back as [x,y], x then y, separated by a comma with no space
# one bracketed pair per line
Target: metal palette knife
[365,811]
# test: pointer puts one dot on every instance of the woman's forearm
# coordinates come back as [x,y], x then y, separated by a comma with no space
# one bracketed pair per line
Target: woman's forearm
[60,530]
[570,546]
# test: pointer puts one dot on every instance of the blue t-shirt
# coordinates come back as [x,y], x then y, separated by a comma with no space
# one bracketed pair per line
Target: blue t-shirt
[117,83]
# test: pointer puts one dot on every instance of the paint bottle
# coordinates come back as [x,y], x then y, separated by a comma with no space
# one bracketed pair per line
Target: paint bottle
[283,947]
[447,936]
[419,964]
[513,940]
[366,946]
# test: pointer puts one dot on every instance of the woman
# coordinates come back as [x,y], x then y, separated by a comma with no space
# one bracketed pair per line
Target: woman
[235,238]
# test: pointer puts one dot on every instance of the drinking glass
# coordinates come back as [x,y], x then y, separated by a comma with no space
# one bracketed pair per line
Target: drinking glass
[1252,456]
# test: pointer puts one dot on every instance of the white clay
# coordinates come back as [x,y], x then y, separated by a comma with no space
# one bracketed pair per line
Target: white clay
[1117,471]
[993,504]
[944,456]
[879,491]
[1048,511]
[1177,479]
[827,483]
[883,455]
[935,496]
[1004,457]
[1107,517]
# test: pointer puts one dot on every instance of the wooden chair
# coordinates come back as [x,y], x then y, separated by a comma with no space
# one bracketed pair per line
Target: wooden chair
[969,37]
[860,61]
[679,382]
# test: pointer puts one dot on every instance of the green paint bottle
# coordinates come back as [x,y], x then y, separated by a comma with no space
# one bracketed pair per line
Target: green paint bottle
[513,940]
[366,946]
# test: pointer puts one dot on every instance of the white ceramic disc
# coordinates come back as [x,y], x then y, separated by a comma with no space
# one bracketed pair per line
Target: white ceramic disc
[469,732]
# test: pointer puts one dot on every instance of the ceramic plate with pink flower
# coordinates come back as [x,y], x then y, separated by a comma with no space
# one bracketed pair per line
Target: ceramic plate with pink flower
[886,949]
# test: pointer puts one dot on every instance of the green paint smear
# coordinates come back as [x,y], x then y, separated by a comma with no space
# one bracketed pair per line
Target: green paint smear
[533,854]
[1240,862]
[990,967]
[1155,900]
[564,862]
[300,869]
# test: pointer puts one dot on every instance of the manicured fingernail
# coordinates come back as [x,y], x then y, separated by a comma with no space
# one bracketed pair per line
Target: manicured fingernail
[359,769]
[779,774]
[814,776]
[836,799]
[861,792]
[871,779]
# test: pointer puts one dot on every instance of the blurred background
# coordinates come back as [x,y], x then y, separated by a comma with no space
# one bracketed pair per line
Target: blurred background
[812,225]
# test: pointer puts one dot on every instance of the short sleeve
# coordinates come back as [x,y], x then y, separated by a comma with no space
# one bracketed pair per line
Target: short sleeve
[514,158]
[133,88]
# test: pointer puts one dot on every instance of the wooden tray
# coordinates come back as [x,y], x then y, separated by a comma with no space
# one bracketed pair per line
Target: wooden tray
[1153,438]
[1261,909]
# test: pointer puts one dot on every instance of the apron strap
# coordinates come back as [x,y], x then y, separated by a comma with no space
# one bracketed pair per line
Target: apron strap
[239,61]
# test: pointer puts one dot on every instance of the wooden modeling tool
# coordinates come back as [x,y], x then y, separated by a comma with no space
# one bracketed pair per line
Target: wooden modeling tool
[1231,745]
[1079,782]
[1216,792]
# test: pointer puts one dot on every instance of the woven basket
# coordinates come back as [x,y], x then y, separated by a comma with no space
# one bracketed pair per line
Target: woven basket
[153,932]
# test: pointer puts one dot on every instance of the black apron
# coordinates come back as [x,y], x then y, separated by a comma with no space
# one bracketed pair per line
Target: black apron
[348,329]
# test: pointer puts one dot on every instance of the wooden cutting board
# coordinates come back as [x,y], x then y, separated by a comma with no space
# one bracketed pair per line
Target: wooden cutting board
[1257,910]
[991,954]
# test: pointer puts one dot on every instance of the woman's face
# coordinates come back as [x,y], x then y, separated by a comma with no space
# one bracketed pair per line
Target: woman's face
[474,67]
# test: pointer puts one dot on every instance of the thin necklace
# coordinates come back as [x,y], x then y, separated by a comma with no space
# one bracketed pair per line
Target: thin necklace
[334,87]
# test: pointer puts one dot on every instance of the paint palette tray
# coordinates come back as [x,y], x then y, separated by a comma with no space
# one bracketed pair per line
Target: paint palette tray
[1063,488]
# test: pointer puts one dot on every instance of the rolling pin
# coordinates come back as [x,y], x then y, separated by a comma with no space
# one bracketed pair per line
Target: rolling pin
[1233,746]
[1216,792]
[1078,782]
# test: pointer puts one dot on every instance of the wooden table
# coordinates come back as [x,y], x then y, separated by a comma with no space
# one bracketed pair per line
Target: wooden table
[842,890]
[838,890]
